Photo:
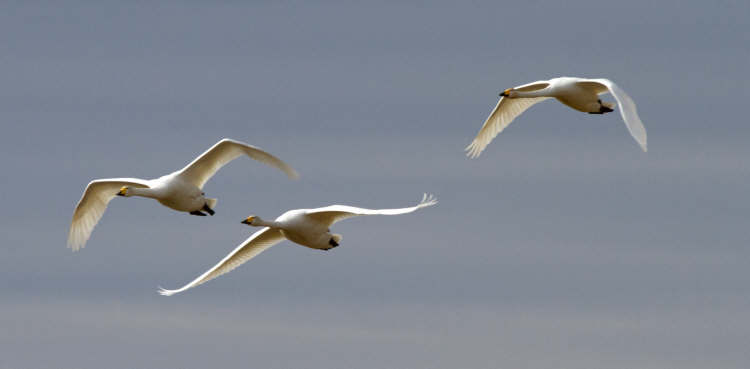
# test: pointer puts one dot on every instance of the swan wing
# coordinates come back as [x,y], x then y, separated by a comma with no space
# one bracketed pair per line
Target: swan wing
[533,86]
[334,213]
[92,205]
[254,245]
[205,166]
[505,111]
[627,110]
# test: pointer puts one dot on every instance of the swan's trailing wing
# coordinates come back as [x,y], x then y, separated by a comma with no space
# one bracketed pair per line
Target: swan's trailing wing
[627,110]
[334,213]
[200,170]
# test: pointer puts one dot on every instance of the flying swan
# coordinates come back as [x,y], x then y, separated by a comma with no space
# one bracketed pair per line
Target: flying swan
[307,227]
[181,190]
[578,93]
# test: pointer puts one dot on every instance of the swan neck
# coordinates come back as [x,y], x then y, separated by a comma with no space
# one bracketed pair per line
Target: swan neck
[142,192]
[538,93]
[268,223]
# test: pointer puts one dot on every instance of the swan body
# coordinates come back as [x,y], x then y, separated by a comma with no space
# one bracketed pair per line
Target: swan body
[181,190]
[172,191]
[581,94]
[306,227]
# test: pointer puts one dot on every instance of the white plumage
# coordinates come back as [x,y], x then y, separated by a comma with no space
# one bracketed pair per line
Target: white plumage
[181,190]
[578,93]
[307,227]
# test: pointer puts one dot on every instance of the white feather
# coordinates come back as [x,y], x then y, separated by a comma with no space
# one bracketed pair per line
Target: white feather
[300,226]
[180,190]
[578,93]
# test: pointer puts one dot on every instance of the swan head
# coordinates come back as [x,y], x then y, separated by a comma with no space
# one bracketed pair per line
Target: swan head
[508,93]
[123,191]
[252,220]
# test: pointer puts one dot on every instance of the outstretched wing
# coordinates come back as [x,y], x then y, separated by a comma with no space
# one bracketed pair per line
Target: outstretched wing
[92,205]
[205,166]
[253,246]
[505,111]
[627,110]
[334,213]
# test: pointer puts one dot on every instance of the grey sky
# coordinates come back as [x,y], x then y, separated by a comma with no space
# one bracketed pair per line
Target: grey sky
[562,246]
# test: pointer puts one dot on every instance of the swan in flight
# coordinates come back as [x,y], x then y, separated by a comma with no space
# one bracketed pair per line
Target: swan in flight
[581,94]
[181,190]
[307,227]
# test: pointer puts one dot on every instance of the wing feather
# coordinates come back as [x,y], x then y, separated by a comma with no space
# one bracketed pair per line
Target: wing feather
[533,86]
[334,213]
[92,205]
[505,111]
[254,245]
[200,170]
[628,112]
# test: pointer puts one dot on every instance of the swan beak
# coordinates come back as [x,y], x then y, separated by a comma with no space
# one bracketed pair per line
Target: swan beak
[123,191]
[248,220]
[505,93]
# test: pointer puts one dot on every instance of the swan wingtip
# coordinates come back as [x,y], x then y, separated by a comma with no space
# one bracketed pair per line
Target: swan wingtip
[473,151]
[165,292]
[75,246]
[428,199]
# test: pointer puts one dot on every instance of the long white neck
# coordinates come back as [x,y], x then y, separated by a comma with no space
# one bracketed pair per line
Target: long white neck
[545,92]
[143,192]
[258,222]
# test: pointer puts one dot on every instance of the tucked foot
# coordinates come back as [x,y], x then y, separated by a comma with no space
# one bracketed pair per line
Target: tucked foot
[208,210]
[198,213]
[333,244]
[603,108]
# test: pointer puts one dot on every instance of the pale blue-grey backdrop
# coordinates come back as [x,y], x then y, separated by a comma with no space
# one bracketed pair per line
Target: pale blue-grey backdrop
[562,246]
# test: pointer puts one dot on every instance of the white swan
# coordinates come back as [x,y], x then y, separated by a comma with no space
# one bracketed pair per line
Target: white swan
[578,93]
[180,190]
[307,227]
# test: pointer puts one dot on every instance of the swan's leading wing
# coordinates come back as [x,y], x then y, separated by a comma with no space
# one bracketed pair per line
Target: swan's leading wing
[205,166]
[627,110]
[505,111]
[254,245]
[92,205]
[334,213]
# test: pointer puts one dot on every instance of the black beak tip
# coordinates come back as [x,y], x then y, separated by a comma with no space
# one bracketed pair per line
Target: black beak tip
[244,222]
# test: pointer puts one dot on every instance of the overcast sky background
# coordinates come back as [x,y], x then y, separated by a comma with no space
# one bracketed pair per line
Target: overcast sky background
[562,246]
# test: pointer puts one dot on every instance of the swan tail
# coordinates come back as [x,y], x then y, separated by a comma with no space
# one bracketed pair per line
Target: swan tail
[211,202]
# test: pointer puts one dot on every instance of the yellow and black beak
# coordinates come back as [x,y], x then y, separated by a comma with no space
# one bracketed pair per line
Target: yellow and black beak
[123,191]
[248,220]
[506,92]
